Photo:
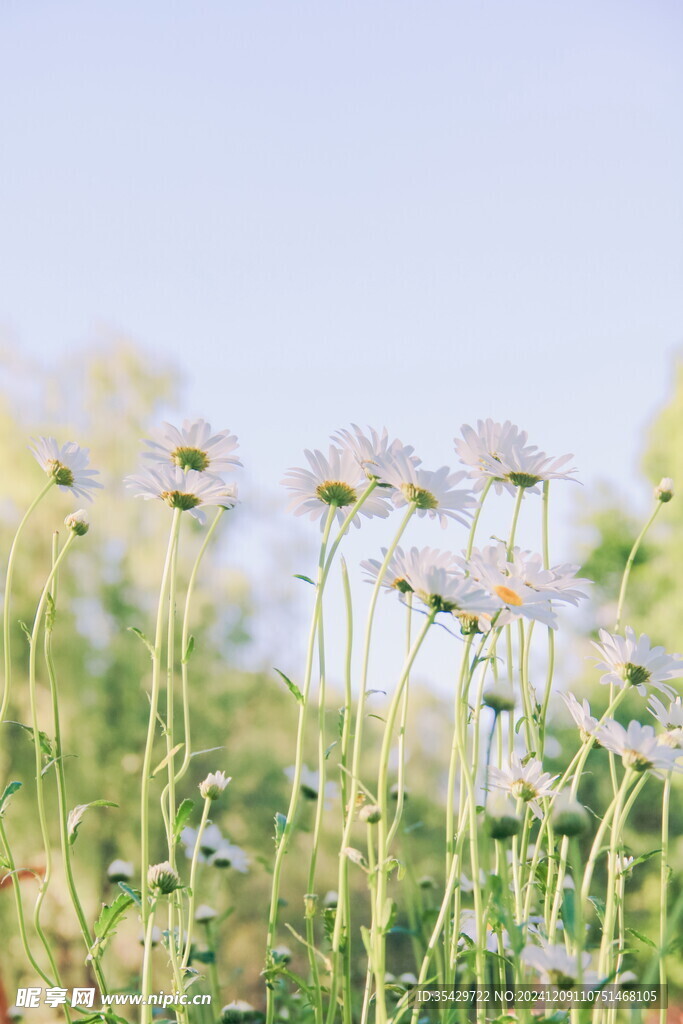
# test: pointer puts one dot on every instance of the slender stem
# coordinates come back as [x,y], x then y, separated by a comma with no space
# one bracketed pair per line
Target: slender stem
[615,835]
[358,732]
[61,787]
[475,520]
[6,631]
[16,886]
[146,911]
[147,953]
[317,827]
[40,791]
[401,777]
[193,882]
[213,966]
[663,888]
[513,525]
[629,563]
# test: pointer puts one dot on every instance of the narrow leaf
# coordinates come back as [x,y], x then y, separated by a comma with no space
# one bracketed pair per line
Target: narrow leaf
[10,788]
[188,650]
[141,636]
[165,760]
[133,893]
[182,816]
[292,687]
[306,579]
[76,816]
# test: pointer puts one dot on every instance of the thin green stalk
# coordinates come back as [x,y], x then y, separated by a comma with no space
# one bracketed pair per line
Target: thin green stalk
[40,792]
[663,889]
[16,886]
[358,733]
[610,903]
[475,520]
[147,759]
[629,563]
[193,882]
[214,982]
[513,524]
[6,631]
[61,784]
[147,953]
[400,781]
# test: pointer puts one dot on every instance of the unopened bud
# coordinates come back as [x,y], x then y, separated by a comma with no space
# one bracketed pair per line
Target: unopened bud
[502,819]
[569,817]
[163,878]
[78,523]
[370,813]
[500,697]
[665,490]
[310,904]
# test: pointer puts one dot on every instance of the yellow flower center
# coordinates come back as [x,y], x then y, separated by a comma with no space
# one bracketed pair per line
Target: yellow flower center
[508,596]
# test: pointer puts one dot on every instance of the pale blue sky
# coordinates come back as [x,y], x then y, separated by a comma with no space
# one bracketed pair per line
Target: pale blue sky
[389,212]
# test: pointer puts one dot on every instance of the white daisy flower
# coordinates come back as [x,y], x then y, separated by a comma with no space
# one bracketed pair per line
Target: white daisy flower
[400,564]
[671,719]
[228,855]
[193,446]
[491,569]
[433,491]
[559,583]
[186,489]
[639,748]
[77,522]
[366,449]
[581,713]
[555,965]
[213,785]
[664,491]
[527,782]
[468,930]
[624,864]
[204,913]
[630,661]
[491,443]
[336,480]
[447,591]
[120,871]
[212,839]
[527,467]
[67,466]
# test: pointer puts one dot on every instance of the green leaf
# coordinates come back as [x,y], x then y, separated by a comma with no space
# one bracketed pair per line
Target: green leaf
[330,749]
[47,748]
[292,687]
[643,938]
[141,636]
[105,925]
[188,650]
[50,614]
[306,579]
[76,816]
[133,893]
[599,907]
[10,788]
[280,825]
[569,912]
[164,761]
[182,816]
[25,630]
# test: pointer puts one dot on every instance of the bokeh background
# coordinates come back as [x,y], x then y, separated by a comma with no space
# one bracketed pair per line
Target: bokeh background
[286,217]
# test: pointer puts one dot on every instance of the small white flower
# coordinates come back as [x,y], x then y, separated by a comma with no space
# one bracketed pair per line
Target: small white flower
[526,782]
[468,930]
[632,661]
[120,871]
[188,490]
[569,817]
[336,480]
[237,1012]
[77,522]
[230,856]
[555,965]
[499,697]
[310,782]
[193,446]
[527,467]
[213,785]
[366,449]
[491,444]
[205,913]
[639,748]
[624,864]
[68,465]
[671,719]
[665,490]
[156,936]
[212,839]
[581,713]
[432,491]
[434,577]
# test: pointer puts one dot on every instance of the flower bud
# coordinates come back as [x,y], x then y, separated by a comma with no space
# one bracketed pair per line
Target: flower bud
[282,954]
[502,819]
[120,871]
[310,904]
[569,817]
[78,523]
[238,1011]
[500,697]
[665,490]
[163,878]
[370,813]
[213,785]
[331,898]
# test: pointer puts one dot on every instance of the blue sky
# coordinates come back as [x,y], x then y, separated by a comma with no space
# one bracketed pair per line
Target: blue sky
[389,212]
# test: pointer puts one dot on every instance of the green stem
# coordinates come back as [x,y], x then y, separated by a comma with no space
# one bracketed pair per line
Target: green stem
[16,886]
[193,882]
[629,563]
[663,889]
[513,525]
[6,632]
[475,520]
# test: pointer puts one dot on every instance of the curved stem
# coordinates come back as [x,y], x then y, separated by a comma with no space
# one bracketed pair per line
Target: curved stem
[663,889]
[6,631]
[193,882]
[629,563]
[475,520]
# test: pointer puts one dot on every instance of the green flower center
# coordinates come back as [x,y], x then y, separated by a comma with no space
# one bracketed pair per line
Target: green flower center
[60,473]
[635,674]
[402,585]
[421,497]
[336,492]
[634,759]
[561,979]
[469,623]
[190,458]
[524,790]
[523,479]
[177,499]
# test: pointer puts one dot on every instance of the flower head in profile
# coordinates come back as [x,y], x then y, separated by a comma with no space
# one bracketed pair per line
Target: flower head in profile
[664,491]
[491,445]
[337,480]
[67,466]
[77,522]
[525,781]
[228,855]
[527,467]
[310,782]
[632,661]
[193,446]
[212,838]
[163,878]
[213,785]
[555,965]
[433,577]
[120,871]
[671,719]
[581,713]
[432,491]
[639,748]
[401,563]
[368,448]
[185,489]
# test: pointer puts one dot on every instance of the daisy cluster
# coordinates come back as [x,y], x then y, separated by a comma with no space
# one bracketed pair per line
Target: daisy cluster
[369,474]
[185,467]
